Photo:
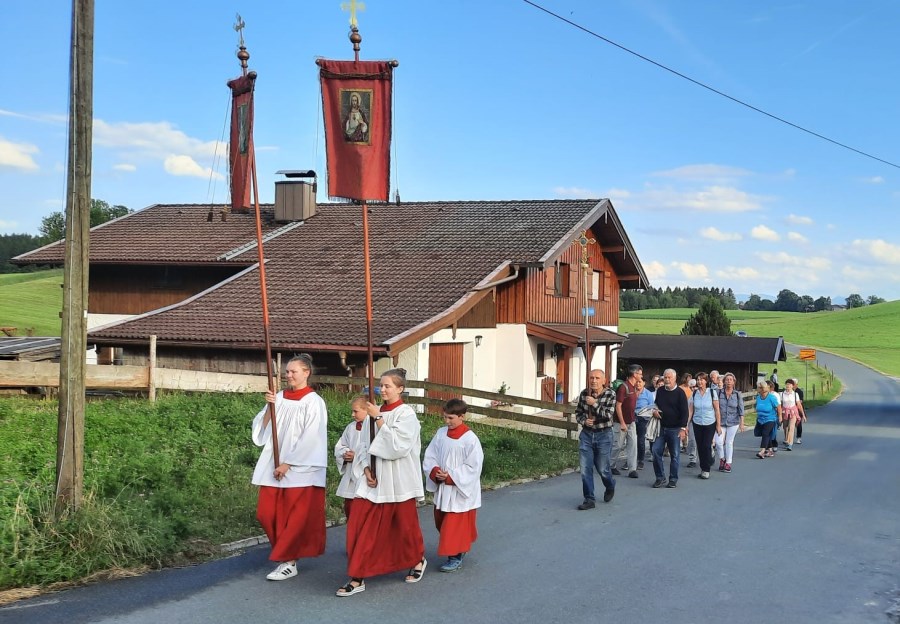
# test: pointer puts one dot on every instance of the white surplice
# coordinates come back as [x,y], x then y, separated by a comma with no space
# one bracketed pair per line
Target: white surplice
[302,442]
[396,449]
[463,459]
[351,440]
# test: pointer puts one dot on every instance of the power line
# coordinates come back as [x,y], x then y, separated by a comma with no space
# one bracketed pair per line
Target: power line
[709,88]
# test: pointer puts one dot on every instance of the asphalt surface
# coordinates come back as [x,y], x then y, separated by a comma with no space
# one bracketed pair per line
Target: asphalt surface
[811,535]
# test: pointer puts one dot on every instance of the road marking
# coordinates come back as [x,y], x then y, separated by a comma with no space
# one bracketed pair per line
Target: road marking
[29,605]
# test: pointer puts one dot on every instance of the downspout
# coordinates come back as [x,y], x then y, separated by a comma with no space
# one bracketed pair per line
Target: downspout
[500,281]
[609,354]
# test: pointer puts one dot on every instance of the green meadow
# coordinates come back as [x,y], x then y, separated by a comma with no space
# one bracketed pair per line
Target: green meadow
[31,301]
[870,335]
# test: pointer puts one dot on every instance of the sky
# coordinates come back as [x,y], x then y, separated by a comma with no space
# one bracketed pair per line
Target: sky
[498,100]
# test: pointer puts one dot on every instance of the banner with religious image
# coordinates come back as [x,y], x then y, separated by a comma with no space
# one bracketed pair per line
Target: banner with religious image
[356,102]
[240,140]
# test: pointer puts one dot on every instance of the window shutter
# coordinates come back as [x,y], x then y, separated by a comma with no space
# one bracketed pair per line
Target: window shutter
[573,279]
[607,286]
[549,280]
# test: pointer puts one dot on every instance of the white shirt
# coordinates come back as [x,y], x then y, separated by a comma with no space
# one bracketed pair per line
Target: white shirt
[302,442]
[351,440]
[463,459]
[396,449]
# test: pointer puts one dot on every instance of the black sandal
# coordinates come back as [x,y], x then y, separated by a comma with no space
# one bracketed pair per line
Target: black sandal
[414,576]
[349,589]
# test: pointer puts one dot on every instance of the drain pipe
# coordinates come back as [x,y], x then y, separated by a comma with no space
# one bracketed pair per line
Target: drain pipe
[500,281]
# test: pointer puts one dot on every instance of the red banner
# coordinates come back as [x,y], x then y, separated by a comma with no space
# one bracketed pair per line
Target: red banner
[241,140]
[356,101]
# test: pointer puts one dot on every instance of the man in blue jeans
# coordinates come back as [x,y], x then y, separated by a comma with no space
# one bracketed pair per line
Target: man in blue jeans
[672,406]
[595,411]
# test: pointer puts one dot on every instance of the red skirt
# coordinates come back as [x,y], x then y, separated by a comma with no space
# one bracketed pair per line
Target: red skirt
[457,530]
[383,538]
[294,520]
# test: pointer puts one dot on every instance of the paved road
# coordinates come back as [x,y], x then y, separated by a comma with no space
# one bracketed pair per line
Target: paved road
[808,536]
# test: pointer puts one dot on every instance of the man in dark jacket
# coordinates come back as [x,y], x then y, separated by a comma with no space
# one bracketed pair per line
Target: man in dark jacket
[673,410]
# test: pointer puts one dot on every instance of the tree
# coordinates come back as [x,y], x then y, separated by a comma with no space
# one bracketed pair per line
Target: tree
[806,304]
[753,303]
[874,300]
[822,303]
[787,301]
[855,301]
[11,245]
[53,226]
[709,320]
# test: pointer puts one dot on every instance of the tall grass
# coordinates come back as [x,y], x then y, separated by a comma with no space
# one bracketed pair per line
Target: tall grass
[167,482]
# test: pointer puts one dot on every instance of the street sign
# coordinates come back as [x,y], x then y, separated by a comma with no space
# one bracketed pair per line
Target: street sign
[807,354]
[588,312]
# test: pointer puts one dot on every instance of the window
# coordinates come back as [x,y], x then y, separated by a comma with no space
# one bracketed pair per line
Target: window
[595,285]
[541,356]
[561,280]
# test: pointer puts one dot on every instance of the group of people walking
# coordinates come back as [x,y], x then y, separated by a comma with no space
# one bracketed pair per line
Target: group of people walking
[701,416]
[381,480]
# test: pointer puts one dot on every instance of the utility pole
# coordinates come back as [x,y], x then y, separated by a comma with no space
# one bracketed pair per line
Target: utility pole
[70,425]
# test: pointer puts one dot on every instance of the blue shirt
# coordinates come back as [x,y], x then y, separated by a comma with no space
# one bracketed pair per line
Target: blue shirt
[703,406]
[765,408]
[645,399]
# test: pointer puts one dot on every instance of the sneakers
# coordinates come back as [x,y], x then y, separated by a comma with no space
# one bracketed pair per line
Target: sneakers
[633,474]
[787,447]
[608,494]
[721,465]
[283,572]
[587,504]
[692,464]
[703,475]
[799,441]
[616,472]
[727,467]
[672,484]
[659,483]
[641,464]
[453,564]
[349,589]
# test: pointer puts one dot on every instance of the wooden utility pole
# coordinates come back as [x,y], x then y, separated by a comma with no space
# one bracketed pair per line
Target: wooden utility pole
[70,428]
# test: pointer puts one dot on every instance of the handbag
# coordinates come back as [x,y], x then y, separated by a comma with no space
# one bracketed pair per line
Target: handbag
[758,430]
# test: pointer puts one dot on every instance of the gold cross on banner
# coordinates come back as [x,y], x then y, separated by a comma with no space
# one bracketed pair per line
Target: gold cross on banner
[239,28]
[584,241]
[353,6]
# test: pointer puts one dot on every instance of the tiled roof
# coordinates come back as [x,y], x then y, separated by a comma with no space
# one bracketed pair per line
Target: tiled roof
[164,234]
[651,347]
[597,335]
[425,257]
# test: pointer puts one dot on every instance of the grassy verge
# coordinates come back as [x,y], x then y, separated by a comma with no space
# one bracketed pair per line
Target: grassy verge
[166,483]
[31,300]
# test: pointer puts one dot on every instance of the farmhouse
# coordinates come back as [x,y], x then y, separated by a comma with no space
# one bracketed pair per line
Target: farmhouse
[691,354]
[481,294]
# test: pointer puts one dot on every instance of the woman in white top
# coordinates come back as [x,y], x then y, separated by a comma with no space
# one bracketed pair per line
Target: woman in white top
[291,505]
[792,412]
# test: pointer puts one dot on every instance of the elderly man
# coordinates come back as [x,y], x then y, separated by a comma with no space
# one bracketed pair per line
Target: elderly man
[672,404]
[595,410]
[625,441]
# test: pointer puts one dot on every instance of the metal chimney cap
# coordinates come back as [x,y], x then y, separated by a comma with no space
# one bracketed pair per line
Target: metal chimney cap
[295,173]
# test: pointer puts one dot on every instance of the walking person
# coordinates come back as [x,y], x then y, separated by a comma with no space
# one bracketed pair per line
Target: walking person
[383,532]
[291,505]
[625,441]
[706,420]
[353,441]
[768,415]
[731,414]
[688,445]
[672,409]
[594,412]
[800,422]
[791,411]
[643,411]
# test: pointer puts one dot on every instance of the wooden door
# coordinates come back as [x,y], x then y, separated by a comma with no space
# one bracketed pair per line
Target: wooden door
[548,389]
[445,366]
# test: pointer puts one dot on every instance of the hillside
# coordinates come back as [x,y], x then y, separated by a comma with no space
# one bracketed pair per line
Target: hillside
[31,300]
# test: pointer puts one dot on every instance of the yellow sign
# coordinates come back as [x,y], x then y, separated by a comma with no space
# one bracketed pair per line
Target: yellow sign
[807,354]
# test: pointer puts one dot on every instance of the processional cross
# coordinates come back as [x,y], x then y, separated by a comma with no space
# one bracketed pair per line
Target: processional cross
[584,241]
[353,6]
[239,28]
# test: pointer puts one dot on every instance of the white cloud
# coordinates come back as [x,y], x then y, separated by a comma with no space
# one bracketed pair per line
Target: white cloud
[184,165]
[877,250]
[8,225]
[831,226]
[42,117]
[789,173]
[17,155]
[154,139]
[797,238]
[615,193]
[125,167]
[692,271]
[715,234]
[741,273]
[655,270]
[874,180]
[717,199]
[785,260]
[799,220]
[703,172]
[574,192]
[761,232]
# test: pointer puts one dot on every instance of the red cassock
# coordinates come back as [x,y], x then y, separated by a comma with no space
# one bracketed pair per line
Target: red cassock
[383,538]
[294,521]
[458,531]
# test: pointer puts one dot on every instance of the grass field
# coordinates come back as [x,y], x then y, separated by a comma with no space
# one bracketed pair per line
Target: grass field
[31,300]
[870,335]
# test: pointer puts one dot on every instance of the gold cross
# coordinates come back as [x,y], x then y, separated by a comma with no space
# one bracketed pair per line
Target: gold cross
[353,6]
[239,28]
[584,241]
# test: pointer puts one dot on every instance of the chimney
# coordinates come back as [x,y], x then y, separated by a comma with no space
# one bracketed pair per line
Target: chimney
[295,198]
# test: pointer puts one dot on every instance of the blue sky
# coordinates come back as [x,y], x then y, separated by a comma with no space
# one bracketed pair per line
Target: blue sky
[497,100]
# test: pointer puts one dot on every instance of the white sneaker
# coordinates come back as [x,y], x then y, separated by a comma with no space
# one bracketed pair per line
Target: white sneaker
[283,572]
[799,441]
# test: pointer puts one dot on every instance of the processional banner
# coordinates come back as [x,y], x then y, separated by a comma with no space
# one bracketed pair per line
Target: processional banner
[240,140]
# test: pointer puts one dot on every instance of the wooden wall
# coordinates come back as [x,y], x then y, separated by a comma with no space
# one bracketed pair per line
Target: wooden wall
[532,299]
[745,374]
[484,314]
[118,289]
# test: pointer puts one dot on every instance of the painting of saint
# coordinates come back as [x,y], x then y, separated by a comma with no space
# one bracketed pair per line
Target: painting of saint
[355,107]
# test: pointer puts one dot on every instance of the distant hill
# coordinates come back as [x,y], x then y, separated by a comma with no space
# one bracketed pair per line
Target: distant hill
[31,300]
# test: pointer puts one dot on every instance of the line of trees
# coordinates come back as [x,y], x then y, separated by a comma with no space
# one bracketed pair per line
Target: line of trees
[789,301]
[53,228]
[688,297]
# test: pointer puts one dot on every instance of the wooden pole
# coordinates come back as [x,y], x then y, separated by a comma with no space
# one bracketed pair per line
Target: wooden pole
[151,372]
[70,422]
[370,351]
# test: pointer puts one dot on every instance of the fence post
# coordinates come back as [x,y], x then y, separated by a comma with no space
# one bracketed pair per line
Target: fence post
[151,372]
